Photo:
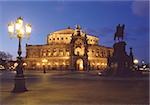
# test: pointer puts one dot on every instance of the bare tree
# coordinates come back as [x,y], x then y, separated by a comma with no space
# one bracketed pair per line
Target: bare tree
[5,56]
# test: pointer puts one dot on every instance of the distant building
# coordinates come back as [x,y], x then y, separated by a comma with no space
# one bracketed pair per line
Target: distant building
[68,49]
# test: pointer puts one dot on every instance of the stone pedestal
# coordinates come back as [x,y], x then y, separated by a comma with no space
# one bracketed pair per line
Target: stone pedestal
[19,80]
[120,61]
[19,84]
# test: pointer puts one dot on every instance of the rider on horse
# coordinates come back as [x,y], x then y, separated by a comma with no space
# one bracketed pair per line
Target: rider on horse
[119,32]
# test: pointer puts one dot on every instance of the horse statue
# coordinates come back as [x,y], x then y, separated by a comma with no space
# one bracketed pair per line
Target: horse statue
[119,32]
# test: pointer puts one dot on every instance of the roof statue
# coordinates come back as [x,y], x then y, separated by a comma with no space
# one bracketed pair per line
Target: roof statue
[68,27]
[119,32]
[78,27]
[77,30]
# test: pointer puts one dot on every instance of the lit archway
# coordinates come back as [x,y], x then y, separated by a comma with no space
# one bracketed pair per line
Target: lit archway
[79,64]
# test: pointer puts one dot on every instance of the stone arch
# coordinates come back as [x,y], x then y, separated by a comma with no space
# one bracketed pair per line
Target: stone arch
[79,64]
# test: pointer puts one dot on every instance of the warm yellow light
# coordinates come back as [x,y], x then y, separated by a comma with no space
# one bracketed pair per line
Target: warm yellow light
[28,29]
[49,63]
[44,60]
[56,63]
[20,21]
[38,64]
[64,63]
[15,64]
[21,32]
[103,64]
[81,66]
[79,51]
[135,61]
[24,64]
[18,29]
[17,26]
[11,28]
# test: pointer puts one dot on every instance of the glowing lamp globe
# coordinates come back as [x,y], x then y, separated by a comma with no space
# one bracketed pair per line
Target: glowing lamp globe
[135,61]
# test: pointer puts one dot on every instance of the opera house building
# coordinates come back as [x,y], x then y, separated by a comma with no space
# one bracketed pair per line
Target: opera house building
[68,49]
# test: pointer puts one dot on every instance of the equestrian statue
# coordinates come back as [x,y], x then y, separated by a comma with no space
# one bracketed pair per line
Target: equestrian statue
[119,32]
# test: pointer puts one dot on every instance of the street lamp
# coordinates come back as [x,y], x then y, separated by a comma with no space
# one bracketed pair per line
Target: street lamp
[135,61]
[19,30]
[44,61]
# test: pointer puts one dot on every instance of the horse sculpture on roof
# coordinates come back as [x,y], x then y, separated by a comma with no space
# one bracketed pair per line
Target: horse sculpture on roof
[119,32]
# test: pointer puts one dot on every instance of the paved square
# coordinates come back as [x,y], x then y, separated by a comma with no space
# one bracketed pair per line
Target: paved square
[77,88]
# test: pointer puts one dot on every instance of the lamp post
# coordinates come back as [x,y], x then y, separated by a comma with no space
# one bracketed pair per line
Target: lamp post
[19,30]
[135,61]
[44,61]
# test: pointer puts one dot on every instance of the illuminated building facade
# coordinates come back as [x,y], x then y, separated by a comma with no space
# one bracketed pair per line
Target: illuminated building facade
[68,49]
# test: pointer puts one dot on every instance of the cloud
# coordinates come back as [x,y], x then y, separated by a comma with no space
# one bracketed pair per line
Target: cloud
[140,8]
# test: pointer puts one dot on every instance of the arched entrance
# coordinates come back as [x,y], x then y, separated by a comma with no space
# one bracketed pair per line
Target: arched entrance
[79,64]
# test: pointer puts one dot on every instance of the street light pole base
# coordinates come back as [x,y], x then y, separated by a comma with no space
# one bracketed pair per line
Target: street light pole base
[19,85]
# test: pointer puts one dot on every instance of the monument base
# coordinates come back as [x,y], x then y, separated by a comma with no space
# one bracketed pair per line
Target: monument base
[120,62]
[19,85]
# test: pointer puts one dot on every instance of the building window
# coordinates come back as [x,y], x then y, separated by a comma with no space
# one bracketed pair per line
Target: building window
[44,54]
[102,54]
[49,54]
[62,38]
[54,52]
[67,52]
[53,38]
[61,52]
[97,54]
[57,38]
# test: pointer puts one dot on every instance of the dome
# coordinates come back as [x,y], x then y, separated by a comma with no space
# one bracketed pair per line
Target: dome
[65,35]
[64,31]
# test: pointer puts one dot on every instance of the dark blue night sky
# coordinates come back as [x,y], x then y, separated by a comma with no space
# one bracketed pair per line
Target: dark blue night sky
[95,17]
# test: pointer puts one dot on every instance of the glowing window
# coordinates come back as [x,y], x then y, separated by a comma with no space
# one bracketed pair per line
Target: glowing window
[79,51]
[54,50]
[44,54]
[79,64]
[49,54]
